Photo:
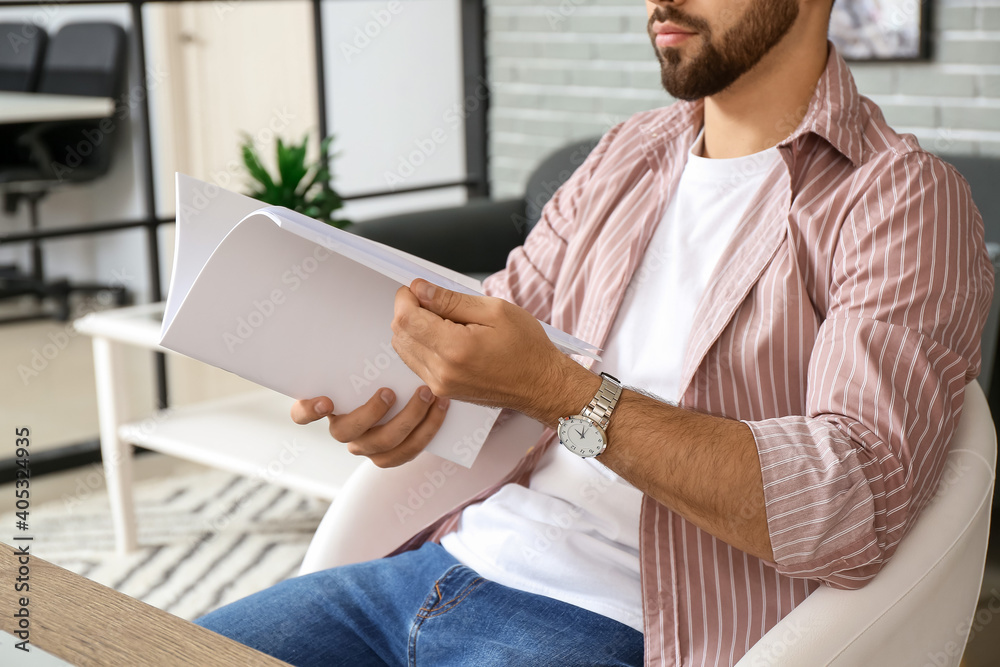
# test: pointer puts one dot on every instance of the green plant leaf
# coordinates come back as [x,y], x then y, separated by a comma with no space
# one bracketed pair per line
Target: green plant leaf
[292,165]
[298,184]
[253,165]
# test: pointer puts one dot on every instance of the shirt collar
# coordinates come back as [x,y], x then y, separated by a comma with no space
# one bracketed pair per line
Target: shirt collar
[834,110]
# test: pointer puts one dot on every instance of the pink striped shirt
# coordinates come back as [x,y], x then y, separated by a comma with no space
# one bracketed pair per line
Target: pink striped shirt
[841,325]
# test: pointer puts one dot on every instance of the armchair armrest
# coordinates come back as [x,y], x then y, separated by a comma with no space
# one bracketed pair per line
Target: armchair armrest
[378,509]
[474,238]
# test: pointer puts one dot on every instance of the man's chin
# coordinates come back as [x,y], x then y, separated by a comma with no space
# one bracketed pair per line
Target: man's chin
[674,81]
[684,89]
[693,80]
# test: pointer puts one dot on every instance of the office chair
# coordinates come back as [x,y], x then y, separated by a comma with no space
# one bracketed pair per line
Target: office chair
[21,49]
[81,59]
[21,53]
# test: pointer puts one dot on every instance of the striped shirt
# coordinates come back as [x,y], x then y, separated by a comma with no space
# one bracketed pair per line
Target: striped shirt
[842,325]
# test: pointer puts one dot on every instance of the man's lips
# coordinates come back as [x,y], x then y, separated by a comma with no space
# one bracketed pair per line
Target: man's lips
[668,34]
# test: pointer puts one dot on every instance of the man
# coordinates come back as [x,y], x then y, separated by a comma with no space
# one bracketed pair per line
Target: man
[804,290]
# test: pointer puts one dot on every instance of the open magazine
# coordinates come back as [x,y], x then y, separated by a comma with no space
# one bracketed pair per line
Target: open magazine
[304,308]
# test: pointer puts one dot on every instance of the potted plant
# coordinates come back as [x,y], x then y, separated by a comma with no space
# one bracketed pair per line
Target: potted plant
[297,184]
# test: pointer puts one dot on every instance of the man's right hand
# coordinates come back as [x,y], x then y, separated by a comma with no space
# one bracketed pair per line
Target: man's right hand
[390,444]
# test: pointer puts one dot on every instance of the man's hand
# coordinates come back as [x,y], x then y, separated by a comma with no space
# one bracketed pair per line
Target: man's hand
[486,350]
[391,444]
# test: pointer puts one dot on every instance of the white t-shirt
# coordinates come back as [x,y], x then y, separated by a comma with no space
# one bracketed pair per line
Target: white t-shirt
[573,533]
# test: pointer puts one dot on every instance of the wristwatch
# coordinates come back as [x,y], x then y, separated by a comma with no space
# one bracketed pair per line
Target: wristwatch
[585,434]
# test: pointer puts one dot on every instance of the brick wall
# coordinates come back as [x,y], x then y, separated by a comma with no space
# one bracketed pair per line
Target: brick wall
[565,69]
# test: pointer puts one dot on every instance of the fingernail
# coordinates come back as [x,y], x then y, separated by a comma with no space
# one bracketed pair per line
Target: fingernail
[322,407]
[386,396]
[425,291]
[443,403]
[425,395]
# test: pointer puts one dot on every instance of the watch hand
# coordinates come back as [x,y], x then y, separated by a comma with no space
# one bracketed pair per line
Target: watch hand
[582,434]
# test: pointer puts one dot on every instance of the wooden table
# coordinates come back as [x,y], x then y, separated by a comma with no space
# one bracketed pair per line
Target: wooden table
[36,107]
[85,623]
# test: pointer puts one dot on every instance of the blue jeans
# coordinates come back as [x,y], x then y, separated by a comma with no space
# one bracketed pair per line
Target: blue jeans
[419,608]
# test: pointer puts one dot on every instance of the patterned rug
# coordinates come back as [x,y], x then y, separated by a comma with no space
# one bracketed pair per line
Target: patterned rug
[205,539]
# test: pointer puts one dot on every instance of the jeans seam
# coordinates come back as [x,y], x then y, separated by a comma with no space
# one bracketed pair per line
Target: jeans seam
[430,609]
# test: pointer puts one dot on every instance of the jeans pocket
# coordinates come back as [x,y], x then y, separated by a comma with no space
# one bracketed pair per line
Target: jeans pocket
[449,591]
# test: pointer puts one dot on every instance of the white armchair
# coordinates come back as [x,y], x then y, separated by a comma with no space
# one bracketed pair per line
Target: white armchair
[917,611]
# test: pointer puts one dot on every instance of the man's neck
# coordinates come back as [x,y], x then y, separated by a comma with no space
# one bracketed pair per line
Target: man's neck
[767,103]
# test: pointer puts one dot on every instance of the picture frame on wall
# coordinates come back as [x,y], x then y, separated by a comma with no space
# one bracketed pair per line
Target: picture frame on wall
[872,30]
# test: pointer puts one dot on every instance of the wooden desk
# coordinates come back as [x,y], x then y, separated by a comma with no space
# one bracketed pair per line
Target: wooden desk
[34,107]
[85,623]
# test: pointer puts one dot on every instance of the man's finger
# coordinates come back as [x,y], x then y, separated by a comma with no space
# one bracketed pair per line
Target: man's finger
[345,428]
[412,323]
[454,306]
[310,409]
[418,439]
[389,435]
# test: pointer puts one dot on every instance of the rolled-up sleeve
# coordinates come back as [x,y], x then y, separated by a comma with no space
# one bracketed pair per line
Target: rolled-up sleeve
[911,285]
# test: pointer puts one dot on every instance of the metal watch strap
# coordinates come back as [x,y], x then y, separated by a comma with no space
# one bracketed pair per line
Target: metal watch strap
[604,401]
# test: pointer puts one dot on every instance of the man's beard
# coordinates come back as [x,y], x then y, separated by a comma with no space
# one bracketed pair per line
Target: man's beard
[717,65]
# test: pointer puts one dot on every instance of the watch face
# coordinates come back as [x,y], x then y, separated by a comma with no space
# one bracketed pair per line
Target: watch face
[581,436]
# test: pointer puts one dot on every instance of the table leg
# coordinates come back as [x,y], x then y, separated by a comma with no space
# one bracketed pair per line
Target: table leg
[116,454]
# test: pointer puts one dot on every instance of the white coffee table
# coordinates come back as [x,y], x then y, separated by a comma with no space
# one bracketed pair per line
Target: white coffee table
[250,434]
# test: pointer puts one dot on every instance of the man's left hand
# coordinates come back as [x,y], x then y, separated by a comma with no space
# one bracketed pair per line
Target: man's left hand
[485,350]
